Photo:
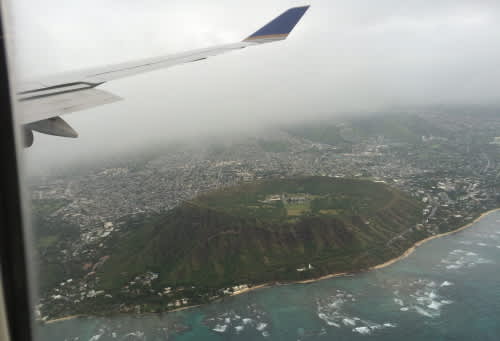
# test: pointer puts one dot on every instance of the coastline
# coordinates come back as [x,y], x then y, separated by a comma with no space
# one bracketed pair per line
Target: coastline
[407,253]
[255,287]
[182,308]
[60,319]
[425,240]
[312,280]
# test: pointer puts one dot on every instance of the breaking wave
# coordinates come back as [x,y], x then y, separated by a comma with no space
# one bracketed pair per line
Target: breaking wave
[334,312]
[462,259]
[423,297]
[249,319]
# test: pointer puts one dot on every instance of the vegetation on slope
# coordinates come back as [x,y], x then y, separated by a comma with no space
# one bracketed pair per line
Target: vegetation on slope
[265,231]
[406,129]
[50,237]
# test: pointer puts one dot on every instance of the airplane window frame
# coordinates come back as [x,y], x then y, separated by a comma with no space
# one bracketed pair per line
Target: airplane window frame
[13,259]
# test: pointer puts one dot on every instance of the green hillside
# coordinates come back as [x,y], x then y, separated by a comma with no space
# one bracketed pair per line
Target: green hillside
[50,238]
[265,231]
[406,129]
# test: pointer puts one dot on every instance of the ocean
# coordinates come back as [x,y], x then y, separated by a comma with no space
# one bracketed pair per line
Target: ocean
[448,289]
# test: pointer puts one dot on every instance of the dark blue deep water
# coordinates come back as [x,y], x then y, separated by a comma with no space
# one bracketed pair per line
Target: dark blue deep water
[449,289]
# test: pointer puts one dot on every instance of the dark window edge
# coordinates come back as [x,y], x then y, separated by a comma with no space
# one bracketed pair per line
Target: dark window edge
[13,256]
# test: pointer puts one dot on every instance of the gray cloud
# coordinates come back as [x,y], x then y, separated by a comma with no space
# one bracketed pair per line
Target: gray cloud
[344,55]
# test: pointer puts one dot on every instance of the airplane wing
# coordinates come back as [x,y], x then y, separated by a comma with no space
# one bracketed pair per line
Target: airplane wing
[42,101]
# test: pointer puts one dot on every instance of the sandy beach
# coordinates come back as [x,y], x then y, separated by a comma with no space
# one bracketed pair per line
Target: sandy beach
[255,287]
[338,274]
[65,318]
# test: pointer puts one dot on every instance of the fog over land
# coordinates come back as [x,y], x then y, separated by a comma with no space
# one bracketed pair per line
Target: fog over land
[343,56]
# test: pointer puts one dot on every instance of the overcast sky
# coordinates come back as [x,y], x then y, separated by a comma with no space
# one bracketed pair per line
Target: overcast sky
[343,55]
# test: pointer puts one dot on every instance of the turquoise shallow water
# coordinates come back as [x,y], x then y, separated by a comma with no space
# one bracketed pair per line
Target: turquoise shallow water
[449,289]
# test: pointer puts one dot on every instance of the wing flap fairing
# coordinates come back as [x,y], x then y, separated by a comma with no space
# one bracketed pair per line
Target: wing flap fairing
[55,126]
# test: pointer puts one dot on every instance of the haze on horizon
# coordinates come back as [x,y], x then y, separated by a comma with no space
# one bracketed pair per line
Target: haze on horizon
[343,56]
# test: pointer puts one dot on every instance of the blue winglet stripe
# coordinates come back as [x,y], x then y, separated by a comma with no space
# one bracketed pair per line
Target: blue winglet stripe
[283,24]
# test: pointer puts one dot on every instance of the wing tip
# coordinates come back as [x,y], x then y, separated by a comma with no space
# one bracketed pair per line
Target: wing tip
[280,27]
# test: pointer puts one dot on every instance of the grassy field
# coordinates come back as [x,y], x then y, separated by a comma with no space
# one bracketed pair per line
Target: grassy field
[323,195]
[294,210]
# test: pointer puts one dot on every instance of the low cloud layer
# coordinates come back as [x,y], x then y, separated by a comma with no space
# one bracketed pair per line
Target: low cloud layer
[343,56]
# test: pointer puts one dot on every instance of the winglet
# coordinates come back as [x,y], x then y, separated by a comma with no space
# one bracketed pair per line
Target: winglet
[280,27]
